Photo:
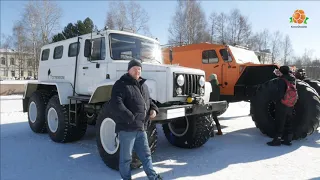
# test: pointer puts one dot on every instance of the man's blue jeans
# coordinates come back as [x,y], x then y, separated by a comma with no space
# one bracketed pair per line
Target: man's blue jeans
[138,141]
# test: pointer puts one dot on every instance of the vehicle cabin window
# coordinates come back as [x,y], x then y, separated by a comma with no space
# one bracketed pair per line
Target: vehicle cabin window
[225,51]
[209,57]
[98,49]
[45,54]
[58,52]
[73,48]
[3,60]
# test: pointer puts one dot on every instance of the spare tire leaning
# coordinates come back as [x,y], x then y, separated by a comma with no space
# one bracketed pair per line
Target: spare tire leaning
[314,84]
[306,112]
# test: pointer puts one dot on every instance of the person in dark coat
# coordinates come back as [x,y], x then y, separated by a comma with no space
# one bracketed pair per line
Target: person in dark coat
[132,110]
[215,96]
[283,114]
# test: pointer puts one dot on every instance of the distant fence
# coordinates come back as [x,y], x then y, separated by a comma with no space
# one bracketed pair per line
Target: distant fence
[13,87]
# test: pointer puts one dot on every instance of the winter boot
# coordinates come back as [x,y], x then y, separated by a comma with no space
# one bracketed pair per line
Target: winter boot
[219,130]
[275,142]
[287,140]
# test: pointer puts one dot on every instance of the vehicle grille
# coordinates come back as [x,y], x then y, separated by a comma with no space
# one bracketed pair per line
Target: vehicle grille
[191,84]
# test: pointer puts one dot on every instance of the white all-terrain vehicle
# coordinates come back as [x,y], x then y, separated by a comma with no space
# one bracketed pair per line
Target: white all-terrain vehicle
[75,83]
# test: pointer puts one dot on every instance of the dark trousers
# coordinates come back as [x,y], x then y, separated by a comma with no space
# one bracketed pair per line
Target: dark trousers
[283,118]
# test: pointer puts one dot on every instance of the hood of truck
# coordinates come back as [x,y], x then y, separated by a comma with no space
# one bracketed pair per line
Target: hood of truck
[156,67]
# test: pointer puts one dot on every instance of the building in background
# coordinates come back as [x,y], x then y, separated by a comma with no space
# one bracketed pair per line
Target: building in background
[15,65]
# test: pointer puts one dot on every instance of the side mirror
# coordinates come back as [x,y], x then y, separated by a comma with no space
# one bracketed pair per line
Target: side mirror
[170,56]
[87,48]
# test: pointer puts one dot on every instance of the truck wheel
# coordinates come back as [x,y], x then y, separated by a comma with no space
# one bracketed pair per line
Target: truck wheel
[305,120]
[189,132]
[58,126]
[36,111]
[314,84]
[108,142]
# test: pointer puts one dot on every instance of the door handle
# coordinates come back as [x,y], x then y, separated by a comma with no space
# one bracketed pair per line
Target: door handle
[84,67]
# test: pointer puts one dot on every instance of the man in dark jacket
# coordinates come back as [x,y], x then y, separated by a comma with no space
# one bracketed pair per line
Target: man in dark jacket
[133,108]
[283,113]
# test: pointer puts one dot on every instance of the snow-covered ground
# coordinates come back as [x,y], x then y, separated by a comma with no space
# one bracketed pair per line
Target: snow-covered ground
[241,153]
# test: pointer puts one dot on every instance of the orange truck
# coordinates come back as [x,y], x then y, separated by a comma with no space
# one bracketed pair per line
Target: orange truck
[241,77]
[238,70]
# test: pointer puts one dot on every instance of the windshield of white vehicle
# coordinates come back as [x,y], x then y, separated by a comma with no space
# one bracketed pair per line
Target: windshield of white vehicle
[244,56]
[126,47]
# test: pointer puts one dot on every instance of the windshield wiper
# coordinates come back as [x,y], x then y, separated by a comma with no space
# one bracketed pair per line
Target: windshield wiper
[130,56]
[151,59]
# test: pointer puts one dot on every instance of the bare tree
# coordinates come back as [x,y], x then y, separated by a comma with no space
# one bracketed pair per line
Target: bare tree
[287,49]
[233,27]
[137,18]
[33,32]
[40,21]
[45,15]
[20,43]
[189,23]
[275,47]
[109,21]
[177,29]
[221,28]
[213,23]
[128,15]
[307,56]
[119,14]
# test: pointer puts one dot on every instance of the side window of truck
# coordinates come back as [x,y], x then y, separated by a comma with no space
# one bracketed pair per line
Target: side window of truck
[45,54]
[58,52]
[224,51]
[73,49]
[209,57]
[98,49]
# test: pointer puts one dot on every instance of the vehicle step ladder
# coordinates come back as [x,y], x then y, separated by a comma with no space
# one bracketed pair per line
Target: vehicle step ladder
[73,112]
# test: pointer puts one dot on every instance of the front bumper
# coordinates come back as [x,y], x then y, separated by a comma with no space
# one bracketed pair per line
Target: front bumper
[167,113]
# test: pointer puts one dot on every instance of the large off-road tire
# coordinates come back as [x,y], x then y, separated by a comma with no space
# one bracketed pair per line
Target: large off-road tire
[189,132]
[306,111]
[108,142]
[314,84]
[58,126]
[36,111]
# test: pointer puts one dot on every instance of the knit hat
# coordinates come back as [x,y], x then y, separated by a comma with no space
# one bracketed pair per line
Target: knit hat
[133,63]
[284,69]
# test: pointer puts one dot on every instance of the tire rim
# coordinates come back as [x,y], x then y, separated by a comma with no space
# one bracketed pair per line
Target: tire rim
[89,115]
[109,141]
[177,127]
[33,112]
[53,120]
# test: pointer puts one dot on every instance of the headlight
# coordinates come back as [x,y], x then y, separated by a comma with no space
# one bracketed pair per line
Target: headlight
[202,81]
[180,80]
